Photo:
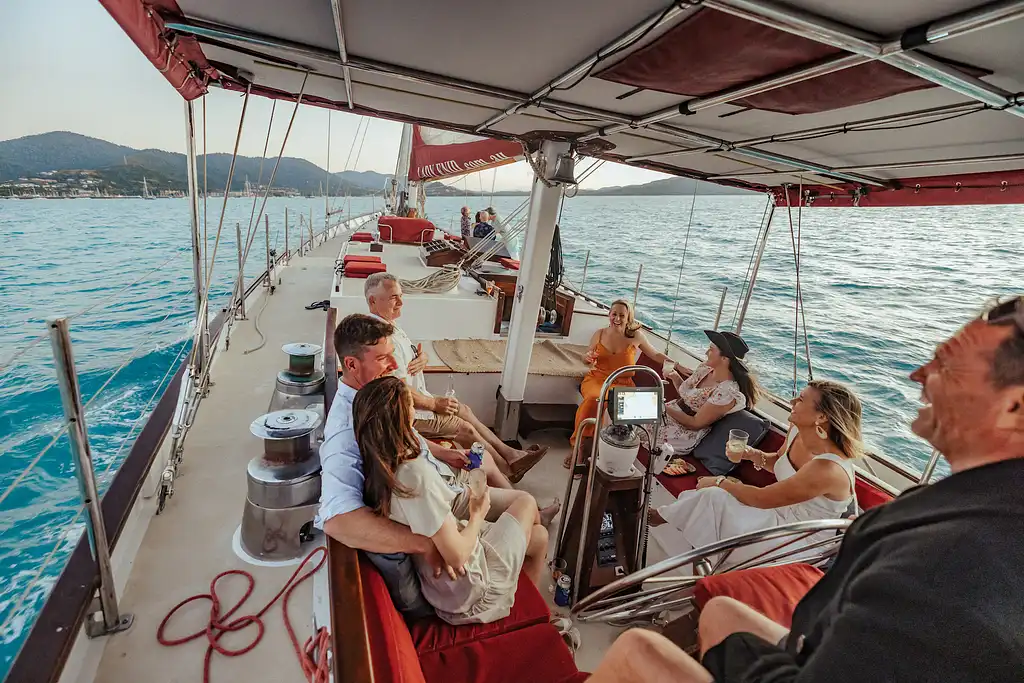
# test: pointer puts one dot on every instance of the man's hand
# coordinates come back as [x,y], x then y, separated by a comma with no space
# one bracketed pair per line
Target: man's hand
[707,482]
[458,460]
[438,565]
[419,363]
[444,405]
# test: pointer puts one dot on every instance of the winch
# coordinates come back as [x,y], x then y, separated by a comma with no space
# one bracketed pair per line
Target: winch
[301,384]
[283,490]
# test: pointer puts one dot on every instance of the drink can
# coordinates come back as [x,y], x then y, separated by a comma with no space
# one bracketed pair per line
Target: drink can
[476,456]
[562,588]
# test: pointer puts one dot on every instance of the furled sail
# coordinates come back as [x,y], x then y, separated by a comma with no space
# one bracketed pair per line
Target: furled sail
[438,154]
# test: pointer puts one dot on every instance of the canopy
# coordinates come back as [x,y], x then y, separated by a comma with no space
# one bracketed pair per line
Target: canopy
[869,102]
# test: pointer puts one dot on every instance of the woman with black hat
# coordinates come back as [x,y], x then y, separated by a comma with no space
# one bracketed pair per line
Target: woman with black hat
[720,386]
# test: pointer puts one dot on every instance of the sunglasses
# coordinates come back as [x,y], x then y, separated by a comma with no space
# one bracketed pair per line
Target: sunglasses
[1009,311]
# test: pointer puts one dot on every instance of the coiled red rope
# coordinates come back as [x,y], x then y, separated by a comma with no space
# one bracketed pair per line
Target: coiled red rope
[312,656]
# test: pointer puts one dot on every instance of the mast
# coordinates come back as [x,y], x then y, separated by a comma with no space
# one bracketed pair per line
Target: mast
[400,183]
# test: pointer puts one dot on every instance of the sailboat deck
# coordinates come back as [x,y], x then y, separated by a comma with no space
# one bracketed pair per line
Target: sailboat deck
[191,541]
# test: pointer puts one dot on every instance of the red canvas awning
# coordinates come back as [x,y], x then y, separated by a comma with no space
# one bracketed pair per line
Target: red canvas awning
[438,154]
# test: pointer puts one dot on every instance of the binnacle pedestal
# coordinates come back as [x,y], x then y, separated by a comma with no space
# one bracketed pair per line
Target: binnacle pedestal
[283,486]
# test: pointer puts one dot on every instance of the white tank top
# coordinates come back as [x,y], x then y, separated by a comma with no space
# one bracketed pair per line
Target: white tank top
[820,507]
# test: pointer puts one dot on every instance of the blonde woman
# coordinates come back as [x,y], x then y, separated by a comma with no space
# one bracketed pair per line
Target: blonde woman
[611,348]
[815,475]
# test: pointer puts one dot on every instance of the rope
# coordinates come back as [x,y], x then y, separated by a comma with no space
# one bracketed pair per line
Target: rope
[682,263]
[312,656]
[437,282]
[256,325]
[20,600]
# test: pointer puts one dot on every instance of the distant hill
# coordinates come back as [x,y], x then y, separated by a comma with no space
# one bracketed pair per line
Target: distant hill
[64,151]
[121,168]
[667,186]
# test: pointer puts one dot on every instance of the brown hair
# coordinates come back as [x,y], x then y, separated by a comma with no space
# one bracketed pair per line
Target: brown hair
[631,324]
[382,421]
[356,332]
[749,386]
[843,410]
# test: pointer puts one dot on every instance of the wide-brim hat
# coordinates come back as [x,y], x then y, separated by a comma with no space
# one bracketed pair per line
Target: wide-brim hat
[729,344]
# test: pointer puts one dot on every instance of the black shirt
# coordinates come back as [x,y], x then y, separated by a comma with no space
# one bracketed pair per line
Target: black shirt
[929,587]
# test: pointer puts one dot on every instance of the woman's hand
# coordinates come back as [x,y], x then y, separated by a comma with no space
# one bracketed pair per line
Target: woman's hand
[479,506]
[707,482]
[453,458]
[590,357]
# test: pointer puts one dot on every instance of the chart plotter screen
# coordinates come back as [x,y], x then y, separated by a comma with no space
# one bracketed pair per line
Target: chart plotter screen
[635,405]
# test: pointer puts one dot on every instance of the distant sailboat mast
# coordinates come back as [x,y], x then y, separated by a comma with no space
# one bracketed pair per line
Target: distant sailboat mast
[145,190]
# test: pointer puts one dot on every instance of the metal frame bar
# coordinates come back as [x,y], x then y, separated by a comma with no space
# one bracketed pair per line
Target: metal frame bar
[660,17]
[829,32]
[821,131]
[223,32]
[893,165]
[342,51]
[71,399]
[202,339]
[942,29]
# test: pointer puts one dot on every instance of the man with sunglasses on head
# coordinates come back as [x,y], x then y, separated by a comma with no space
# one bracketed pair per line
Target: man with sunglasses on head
[929,587]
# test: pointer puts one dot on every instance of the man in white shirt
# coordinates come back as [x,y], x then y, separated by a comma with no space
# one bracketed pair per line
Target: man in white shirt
[440,417]
[365,353]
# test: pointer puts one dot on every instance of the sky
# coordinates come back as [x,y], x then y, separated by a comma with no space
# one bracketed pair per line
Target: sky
[68,66]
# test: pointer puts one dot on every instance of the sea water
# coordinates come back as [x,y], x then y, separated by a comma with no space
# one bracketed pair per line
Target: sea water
[880,288]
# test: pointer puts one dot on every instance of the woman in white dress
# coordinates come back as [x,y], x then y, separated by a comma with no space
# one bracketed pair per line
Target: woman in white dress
[717,387]
[402,481]
[815,475]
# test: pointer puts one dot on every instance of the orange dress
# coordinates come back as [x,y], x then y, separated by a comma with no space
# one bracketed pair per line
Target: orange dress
[606,364]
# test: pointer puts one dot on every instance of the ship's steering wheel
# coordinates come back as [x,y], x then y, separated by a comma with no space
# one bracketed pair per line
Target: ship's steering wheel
[652,590]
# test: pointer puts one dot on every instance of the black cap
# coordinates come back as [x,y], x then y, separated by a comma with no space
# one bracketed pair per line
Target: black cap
[729,343]
[490,210]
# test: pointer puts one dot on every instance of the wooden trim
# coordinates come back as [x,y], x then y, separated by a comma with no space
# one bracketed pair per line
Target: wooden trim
[330,361]
[498,309]
[350,641]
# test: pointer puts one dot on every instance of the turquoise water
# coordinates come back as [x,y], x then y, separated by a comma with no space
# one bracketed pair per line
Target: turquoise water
[881,288]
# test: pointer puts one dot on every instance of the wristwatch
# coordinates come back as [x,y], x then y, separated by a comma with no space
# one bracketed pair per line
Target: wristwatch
[719,479]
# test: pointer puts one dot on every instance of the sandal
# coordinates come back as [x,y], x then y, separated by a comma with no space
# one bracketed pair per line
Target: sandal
[677,467]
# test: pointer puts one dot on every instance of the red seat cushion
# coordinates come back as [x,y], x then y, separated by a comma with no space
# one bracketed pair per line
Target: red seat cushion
[772,591]
[364,258]
[361,237]
[393,655]
[432,634]
[869,496]
[363,269]
[535,654]
[405,230]
[510,263]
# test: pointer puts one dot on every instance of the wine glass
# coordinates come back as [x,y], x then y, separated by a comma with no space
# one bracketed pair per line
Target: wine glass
[736,445]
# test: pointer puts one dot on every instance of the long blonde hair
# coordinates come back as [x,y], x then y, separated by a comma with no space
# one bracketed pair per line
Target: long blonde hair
[843,410]
[631,324]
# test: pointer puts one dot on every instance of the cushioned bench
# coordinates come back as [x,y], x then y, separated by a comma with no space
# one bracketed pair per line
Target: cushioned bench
[361,237]
[772,591]
[360,258]
[405,230]
[522,647]
[363,269]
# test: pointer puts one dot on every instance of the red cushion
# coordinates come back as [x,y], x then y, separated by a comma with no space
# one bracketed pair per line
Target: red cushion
[510,263]
[432,634]
[363,269]
[392,653]
[869,496]
[535,654]
[405,230]
[365,258]
[361,237]
[772,591]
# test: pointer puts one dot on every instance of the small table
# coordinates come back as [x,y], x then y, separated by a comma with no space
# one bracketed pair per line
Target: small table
[620,498]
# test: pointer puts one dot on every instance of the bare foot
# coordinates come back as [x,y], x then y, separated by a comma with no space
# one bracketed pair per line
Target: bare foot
[547,514]
[654,518]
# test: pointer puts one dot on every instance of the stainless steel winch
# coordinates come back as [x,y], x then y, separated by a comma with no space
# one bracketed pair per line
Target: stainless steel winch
[301,384]
[283,490]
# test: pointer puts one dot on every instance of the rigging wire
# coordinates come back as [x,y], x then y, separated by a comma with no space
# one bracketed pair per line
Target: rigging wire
[259,179]
[206,265]
[750,264]
[48,559]
[798,301]
[682,264]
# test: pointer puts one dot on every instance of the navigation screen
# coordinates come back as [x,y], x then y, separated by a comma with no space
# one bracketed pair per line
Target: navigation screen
[635,405]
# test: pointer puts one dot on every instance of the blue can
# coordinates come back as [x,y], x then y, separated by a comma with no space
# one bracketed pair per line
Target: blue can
[562,588]
[476,456]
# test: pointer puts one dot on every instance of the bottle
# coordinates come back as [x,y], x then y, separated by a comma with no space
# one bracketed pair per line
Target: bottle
[477,476]
[450,392]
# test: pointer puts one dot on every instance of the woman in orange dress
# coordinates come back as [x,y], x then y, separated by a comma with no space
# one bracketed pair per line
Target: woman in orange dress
[611,348]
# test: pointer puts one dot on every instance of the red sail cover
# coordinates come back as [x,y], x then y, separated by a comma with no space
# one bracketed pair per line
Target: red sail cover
[440,154]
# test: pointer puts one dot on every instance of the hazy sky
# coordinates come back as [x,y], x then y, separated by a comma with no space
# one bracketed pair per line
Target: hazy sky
[66,65]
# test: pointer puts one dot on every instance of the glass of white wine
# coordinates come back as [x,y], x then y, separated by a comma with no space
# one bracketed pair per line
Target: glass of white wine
[736,445]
